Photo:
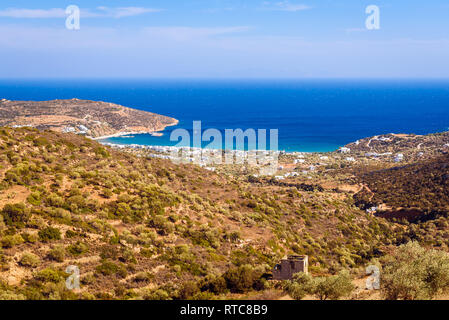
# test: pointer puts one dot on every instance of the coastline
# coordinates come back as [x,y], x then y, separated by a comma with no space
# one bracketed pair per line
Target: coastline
[413,141]
[125,133]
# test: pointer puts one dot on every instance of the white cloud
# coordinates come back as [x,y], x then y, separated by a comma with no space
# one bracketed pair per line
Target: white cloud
[188,33]
[181,51]
[33,13]
[119,12]
[125,11]
[286,6]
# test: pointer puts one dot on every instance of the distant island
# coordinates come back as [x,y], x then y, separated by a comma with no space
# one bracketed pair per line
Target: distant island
[94,119]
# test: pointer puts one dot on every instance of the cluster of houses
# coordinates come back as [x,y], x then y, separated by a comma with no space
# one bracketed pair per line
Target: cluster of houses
[344,150]
[384,139]
[375,154]
[22,125]
[80,129]
[397,158]
[204,157]
[287,175]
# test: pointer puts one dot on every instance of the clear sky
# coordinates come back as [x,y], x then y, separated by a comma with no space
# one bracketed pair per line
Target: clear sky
[225,39]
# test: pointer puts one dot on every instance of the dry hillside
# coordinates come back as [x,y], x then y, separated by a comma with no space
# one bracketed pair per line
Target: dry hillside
[91,118]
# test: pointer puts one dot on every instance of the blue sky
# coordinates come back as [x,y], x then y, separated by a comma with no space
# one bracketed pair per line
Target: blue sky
[225,39]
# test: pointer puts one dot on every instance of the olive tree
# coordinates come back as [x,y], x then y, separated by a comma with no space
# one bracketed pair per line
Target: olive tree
[414,273]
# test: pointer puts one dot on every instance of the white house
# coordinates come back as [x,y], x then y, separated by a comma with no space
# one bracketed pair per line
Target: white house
[399,157]
[68,129]
[83,128]
[344,150]
[371,210]
[291,174]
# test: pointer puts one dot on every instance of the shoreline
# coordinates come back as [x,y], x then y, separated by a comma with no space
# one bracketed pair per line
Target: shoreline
[166,148]
[125,133]
[339,148]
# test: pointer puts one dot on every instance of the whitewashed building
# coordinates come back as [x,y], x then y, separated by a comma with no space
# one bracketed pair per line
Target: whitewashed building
[399,157]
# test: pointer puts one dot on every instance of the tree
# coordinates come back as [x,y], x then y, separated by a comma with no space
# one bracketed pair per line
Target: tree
[301,285]
[242,279]
[15,214]
[332,287]
[415,273]
[188,290]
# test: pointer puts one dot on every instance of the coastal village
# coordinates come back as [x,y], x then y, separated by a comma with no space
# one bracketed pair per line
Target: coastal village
[293,168]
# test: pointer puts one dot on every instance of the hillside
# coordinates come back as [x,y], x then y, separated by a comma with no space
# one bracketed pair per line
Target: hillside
[413,147]
[91,118]
[412,191]
[147,228]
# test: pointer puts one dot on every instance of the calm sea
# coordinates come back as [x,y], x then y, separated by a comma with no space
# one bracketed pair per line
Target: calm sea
[311,115]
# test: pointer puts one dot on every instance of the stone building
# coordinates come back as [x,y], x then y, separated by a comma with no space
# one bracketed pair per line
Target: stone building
[288,267]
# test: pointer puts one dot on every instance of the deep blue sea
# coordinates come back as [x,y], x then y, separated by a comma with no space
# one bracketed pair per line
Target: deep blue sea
[311,115]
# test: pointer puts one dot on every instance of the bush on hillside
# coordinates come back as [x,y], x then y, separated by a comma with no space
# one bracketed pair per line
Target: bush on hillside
[324,288]
[414,273]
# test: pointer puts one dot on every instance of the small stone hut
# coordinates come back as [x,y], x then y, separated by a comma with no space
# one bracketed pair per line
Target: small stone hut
[289,266]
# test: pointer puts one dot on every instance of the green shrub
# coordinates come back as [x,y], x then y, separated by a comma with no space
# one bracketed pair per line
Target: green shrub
[109,252]
[30,237]
[188,290]
[11,241]
[214,284]
[29,259]
[35,198]
[50,275]
[158,294]
[78,248]
[143,277]
[242,279]
[49,234]
[324,288]
[57,254]
[333,287]
[15,214]
[70,234]
[108,268]
[300,286]
[415,273]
